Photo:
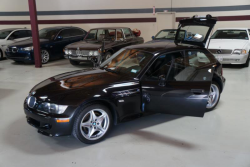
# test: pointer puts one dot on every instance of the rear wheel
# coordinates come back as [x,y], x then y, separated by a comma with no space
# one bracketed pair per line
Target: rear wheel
[92,124]
[214,96]
[74,62]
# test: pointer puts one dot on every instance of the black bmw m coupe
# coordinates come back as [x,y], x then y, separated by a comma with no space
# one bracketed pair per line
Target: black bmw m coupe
[181,78]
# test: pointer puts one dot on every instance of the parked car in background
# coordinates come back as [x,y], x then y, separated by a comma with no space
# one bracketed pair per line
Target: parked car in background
[148,78]
[10,36]
[113,39]
[52,42]
[231,45]
[164,35]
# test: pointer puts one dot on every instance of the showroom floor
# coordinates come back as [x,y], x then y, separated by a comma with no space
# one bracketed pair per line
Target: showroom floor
[220,139]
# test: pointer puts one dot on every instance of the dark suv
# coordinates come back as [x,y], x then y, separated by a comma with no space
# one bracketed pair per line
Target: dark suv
[52,42]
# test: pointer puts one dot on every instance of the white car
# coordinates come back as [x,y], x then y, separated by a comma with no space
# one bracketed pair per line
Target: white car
[231,45]
[10,36]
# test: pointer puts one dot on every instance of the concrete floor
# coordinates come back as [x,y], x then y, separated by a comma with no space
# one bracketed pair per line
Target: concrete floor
[220,139]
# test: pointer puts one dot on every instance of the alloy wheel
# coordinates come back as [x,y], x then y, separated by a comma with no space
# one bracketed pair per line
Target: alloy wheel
[213,96]
[94,124]
[45,56]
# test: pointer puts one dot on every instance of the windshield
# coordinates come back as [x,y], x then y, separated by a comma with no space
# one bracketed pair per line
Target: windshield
[48,33]
[4,33]
[166,34]
[128,62]
[100,34]
[230,34]
[194,33]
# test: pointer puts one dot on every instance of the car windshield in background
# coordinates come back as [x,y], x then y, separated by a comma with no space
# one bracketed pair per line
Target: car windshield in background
[4,34]
[48,33]
[100,34]
[230,34]
[193,33]
[128,62]
[166,34]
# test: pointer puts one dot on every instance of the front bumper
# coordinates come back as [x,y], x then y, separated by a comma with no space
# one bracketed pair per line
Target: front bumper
[79,58]
[47,124]
[24,56]
[231,58]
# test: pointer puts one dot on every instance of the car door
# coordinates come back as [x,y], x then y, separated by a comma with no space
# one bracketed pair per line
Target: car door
[62,39]
[178,83]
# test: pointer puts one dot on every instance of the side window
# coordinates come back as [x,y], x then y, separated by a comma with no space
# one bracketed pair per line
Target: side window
[29,32]
[189,67]
[65,33]
[18,34]
[127,33]
[162,66]
[119,35]
[76,32]
[249,32]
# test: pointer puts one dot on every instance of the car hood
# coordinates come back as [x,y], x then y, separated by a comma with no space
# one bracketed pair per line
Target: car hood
[28,42]
[160,40]
[77,83]
[227,44]
[88,45]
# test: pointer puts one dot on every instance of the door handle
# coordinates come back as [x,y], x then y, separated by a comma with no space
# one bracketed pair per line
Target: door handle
[197,91]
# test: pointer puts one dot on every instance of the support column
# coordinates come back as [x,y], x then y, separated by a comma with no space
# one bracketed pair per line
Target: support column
[35,34]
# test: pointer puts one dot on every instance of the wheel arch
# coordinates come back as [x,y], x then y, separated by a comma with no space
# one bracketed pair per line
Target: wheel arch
[218,80]
[106,103]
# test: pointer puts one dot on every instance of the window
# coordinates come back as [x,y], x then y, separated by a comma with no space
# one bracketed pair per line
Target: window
[19,34]
[92,34]
[127,33]
[66,33]
[48,33]
[177,67]
[127,62]
[29,33]
[166,34]
[249,32]
[193,33]
[119,35]
[4,33]
[77,32]
[230,34]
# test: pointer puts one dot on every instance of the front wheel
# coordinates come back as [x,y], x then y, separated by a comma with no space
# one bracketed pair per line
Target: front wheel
[92,124]
[214,96]
[247,62]
[45,56]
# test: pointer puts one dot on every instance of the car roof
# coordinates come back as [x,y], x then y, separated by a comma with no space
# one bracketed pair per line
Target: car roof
[109,28]
[168,30]
[160,47]
[12,29]
[233,28]
[59,27]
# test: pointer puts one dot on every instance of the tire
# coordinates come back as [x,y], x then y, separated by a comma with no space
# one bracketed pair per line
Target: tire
[92,123]
[74,62]
[45,56]
[1,54]
[216,97]
[247,62]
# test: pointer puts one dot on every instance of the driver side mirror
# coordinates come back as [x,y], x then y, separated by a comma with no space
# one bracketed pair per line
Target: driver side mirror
[162,80]
[153,37]
[59,38]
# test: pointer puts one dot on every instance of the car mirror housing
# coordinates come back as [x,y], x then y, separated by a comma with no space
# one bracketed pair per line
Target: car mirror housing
[153,37]
[59,38]
[162,80]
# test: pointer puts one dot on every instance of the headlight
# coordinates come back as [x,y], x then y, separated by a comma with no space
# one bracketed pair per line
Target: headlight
[96,53]
[239,51]
[69,52]
[91,53]
[28,48]
[66,51]
[52,108]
